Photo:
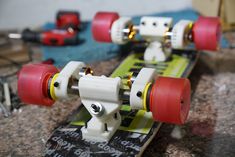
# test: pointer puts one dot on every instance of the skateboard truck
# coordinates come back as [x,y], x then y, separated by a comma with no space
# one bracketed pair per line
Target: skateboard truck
[158,32]
[168,99]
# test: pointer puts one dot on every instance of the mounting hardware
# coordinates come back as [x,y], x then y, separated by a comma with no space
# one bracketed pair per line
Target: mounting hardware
[139,94]
[56,84]
[85,71]
[100,95]
[131,78]
[96,109]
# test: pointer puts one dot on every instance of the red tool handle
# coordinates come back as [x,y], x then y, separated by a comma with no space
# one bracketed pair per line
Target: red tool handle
[51,38]
[68,19]
[59,38]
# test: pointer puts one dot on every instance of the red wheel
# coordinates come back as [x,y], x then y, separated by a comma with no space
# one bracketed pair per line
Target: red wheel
[207,33]
[170,100]
[101,25]
[33,83]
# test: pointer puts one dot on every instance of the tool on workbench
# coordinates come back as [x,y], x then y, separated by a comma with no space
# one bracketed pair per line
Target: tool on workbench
[49,38]
[68,20]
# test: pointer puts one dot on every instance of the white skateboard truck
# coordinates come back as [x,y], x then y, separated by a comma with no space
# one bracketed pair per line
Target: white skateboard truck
[168,99]
[158,32]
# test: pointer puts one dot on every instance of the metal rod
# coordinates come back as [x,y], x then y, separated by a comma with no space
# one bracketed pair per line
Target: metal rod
[14,36]
[126,30]
[168,33]
[136,28]
[5,112]
[7,95]
[74,87]
[124,94]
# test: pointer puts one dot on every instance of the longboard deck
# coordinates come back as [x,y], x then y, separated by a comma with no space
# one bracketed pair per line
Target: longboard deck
[137,128]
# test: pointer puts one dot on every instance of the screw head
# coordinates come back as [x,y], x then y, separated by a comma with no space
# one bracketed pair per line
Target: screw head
[139,94]
[95,108]
[56,84]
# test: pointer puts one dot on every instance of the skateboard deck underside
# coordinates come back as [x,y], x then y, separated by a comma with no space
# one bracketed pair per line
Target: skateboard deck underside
[137,128]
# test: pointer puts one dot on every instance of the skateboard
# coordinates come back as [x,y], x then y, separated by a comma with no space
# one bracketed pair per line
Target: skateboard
[137,128]
[152,88]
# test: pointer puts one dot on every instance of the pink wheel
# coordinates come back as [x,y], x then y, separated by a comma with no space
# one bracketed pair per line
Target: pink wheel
[33,83]
[170,100]
[207,33]
[101,25]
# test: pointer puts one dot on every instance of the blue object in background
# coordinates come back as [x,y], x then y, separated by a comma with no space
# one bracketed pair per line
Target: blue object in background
[87,51]
[91,51]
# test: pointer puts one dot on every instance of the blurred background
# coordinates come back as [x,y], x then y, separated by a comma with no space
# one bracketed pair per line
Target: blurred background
[31,13]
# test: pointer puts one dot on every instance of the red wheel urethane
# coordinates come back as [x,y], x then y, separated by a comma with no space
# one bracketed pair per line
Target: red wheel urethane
[170,100]
[207,33]
[33,83]
[68,19]
[101,26]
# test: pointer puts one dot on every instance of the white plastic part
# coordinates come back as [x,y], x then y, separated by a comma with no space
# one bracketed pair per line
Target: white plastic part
[154,28]
[117,34]
[154,52]
[7,95]
[178,34]
[14,36]
[145,76]
[70,70]
[102,92]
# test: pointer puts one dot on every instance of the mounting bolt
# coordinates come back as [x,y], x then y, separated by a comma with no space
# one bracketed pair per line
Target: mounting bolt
[139,94]
[56,84]
[96,109]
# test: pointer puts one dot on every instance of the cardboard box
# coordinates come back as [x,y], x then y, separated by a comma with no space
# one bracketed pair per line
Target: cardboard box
[207,7]
[229,11]
[225,9]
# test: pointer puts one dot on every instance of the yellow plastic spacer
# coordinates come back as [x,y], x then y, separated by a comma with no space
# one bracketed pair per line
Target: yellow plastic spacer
[145,95]
[52,90]
[191,25]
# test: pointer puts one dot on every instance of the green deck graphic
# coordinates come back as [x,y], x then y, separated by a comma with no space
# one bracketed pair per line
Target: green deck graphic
[173,68]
